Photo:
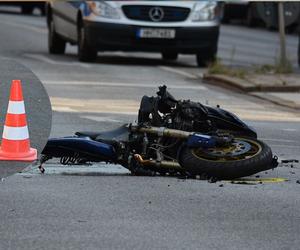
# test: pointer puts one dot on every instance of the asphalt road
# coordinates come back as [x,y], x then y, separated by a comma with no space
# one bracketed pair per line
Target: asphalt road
[103,207]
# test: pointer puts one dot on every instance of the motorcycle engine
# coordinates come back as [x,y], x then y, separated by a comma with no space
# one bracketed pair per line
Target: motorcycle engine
[191,116]
[167,112]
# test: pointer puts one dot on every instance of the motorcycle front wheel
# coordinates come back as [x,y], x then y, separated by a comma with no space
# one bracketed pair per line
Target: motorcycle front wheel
[242,157]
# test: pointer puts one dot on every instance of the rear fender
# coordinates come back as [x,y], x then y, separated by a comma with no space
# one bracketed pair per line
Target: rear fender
[84,146]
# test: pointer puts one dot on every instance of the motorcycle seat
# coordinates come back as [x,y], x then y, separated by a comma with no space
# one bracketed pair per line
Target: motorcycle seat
[119,134]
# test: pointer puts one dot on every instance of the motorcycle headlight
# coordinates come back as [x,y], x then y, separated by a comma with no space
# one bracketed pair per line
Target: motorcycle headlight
[204,11]
[104,9]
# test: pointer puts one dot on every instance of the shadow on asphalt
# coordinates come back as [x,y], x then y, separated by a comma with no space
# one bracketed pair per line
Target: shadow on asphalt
[131,60]
[17,11]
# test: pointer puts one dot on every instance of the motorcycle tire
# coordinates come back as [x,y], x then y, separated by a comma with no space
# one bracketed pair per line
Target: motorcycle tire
[243,157]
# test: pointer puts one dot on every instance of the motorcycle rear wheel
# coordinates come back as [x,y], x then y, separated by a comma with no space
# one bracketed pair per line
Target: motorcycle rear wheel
[243,157]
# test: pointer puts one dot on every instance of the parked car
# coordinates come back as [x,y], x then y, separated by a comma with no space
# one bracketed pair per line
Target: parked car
[299,47]
[168,27]
[27,7]
[254,13]
[242,10]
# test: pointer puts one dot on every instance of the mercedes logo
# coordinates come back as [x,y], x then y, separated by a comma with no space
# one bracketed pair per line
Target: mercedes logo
[156,14]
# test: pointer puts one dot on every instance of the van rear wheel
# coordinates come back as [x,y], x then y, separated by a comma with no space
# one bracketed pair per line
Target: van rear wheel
[27,9]
[56,44]
[205,60]
[206,56]
[86,52]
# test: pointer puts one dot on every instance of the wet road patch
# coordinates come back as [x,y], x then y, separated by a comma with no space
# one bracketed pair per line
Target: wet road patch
[78,170]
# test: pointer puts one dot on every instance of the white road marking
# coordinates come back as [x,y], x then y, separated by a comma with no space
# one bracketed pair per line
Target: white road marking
[284,146]
[179,72]
[278,140]
[53,62]
[101,119]
[289,129]
[122,84]
[264,115]
[62,109]
[130,107]
[106,106]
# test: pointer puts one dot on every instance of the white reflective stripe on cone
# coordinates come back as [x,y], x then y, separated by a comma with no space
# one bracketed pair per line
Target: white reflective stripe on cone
[16,107]
[15,133]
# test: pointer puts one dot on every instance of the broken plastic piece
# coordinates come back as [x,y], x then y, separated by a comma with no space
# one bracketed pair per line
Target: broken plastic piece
[290,161]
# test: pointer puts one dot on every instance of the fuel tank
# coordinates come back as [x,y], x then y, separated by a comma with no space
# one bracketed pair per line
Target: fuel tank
[226,120]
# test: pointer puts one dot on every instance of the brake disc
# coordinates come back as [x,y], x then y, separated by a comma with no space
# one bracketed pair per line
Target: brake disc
[234,149]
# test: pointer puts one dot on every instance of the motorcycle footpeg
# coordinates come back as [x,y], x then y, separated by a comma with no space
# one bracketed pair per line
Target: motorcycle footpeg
[274,163]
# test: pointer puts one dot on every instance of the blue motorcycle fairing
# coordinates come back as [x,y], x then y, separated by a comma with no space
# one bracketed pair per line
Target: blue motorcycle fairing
[199,140]
[84,146]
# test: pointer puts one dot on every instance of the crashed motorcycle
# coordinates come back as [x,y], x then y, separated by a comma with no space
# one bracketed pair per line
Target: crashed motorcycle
[174,137]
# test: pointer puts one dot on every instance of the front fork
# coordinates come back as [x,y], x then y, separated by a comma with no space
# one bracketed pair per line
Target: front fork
[193,140]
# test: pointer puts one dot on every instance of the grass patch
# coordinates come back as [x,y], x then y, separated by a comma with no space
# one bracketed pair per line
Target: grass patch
[283,68]
[218,68]
[264,69]
[277,68]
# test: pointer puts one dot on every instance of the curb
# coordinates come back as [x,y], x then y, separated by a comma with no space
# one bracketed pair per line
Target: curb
[246,86]
[226,81]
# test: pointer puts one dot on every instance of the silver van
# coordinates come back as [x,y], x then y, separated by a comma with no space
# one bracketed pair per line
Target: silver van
[168,27]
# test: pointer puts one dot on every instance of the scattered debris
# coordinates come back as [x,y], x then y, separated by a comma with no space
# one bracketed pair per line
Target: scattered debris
[149,202]
[292,172]
[298,181]
[212,180]
[221,185]
[257,176]
[290,161]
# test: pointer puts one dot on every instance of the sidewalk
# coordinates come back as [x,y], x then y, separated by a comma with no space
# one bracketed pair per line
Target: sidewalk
[277,88]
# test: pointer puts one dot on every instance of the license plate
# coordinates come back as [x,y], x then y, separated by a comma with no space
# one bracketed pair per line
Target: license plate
[156,33]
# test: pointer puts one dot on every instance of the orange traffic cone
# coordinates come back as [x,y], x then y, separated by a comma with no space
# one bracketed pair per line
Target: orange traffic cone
[15,139]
